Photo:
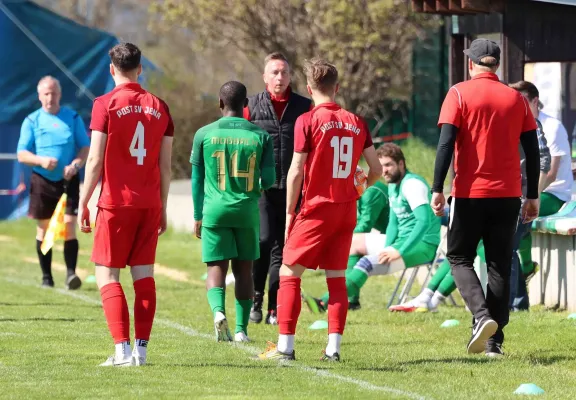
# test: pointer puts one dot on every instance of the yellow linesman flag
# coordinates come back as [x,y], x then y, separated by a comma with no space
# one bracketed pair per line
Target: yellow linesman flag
[57,227]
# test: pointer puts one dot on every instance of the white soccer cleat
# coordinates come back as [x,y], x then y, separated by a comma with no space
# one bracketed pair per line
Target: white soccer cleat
[138,361]
[241,337]
[221,328]
[112,361]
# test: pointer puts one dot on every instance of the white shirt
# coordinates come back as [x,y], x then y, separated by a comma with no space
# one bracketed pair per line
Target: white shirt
[557,139]
[415,192]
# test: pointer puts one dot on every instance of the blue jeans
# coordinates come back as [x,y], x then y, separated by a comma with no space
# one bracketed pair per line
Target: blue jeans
[518,293]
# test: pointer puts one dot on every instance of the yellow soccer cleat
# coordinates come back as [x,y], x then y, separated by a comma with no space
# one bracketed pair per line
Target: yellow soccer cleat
[272,353]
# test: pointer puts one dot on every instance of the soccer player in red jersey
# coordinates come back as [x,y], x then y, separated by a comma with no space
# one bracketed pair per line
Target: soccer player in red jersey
[328,143]
[131,148]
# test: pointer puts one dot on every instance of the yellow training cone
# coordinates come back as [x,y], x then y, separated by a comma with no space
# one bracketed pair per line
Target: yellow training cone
[57,227]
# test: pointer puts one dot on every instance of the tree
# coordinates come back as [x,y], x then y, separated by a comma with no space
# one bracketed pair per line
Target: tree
[368,40]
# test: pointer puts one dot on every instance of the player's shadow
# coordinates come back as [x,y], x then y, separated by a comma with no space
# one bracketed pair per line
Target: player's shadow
[41,319]
[201,364]
[46,305]
[482,359]
[541,360]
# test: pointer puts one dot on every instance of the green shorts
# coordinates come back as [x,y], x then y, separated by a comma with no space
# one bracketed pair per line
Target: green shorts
[220,244]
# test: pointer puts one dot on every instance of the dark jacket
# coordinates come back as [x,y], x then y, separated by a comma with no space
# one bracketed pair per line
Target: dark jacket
[281,130]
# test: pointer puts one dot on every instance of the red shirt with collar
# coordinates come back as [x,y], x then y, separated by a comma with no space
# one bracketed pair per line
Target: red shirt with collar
[490,117]
[135,122]
[334,140]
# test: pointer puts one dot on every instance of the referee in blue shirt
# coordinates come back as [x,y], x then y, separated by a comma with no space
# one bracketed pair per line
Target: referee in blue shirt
[53,140]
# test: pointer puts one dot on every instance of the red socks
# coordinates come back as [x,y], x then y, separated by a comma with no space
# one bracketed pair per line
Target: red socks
[337,305]
[116,311]
[289,304]
[144,307]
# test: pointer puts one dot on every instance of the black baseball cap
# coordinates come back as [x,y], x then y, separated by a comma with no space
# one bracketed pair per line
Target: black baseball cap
[481,48]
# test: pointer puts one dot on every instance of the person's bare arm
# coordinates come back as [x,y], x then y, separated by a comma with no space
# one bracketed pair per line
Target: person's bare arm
[553,173]
[294,181]
[32,160]
[375,168]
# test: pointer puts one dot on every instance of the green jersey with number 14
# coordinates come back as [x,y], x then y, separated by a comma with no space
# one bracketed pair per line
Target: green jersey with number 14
[233,152]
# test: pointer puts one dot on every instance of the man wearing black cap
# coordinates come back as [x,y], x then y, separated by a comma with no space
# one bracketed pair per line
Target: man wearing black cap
[483,122]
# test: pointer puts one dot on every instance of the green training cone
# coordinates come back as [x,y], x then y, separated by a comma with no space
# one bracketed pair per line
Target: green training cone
[449,323]
[572,316]
[90,279]
[203,277]
[320,324]
[529,388]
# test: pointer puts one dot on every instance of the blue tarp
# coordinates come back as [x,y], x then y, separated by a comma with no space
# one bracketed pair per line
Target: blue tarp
[82,50]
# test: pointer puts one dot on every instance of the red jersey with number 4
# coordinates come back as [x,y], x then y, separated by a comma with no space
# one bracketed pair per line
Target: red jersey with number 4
[136,122]
[334,140]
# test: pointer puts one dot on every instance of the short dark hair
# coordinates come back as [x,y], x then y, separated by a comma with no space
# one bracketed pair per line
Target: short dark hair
[125,56]
[233,95]
[528,88]
[320,74]
[391,150]
[275,56]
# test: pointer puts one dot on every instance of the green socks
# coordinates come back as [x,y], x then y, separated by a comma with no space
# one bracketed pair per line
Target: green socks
[352,260]
[439,275]
[243,308]
[217,300]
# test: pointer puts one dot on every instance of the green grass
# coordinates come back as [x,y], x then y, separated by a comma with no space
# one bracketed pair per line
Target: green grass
[420,157]
[51,344]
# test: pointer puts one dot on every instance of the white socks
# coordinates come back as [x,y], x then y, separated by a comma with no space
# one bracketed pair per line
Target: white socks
[285,344]
[436,299]
[334,340]
[140,347]
[424,296]
[123,350]
[219,316]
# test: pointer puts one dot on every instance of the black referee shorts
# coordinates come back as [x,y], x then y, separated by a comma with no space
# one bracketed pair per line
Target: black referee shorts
[45,194]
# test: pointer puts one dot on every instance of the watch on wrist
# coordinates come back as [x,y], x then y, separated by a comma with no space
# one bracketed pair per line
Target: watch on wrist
[76,166]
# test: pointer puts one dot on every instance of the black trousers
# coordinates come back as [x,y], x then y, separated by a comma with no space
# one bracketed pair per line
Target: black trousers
[272,225]
[493,221]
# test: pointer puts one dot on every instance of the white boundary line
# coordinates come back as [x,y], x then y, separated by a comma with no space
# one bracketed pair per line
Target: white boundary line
[249,349]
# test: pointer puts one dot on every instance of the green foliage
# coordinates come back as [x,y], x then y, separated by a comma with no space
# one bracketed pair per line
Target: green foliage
[370,41]
[420,157]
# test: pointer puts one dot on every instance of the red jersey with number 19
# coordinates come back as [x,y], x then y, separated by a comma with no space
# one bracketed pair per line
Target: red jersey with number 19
[135,122]
[334,140]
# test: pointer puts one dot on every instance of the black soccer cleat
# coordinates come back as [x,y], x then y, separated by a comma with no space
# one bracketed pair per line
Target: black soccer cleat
[47,283]
[333,358]
[354,306]
[73,282]
[256,311]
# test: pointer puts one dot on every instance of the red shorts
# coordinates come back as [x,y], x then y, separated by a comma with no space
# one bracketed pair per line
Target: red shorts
[126,236]
[321,237]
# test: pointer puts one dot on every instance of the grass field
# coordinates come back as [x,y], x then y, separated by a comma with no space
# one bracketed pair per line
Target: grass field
[51,342]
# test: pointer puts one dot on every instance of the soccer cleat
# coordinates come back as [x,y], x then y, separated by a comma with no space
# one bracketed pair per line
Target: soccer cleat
[47,283]
[271,318]
[316,306]
[353,306]
[112,361]
[241,337]
[138,361]
[409,306]
[272,353]
[534,272]
[73,282]
[256,311]
[221,328]
[334,357]
[481,332]
[494,350]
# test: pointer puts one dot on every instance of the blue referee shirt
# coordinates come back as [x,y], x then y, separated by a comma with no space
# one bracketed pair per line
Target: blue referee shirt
[60,136]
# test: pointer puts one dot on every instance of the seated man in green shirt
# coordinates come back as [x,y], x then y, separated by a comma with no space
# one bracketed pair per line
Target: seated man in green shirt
[412,234]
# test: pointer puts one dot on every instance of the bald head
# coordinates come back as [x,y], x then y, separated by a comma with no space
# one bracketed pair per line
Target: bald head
[49,94]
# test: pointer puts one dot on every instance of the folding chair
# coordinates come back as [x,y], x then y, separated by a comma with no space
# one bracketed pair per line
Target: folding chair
[433,266]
